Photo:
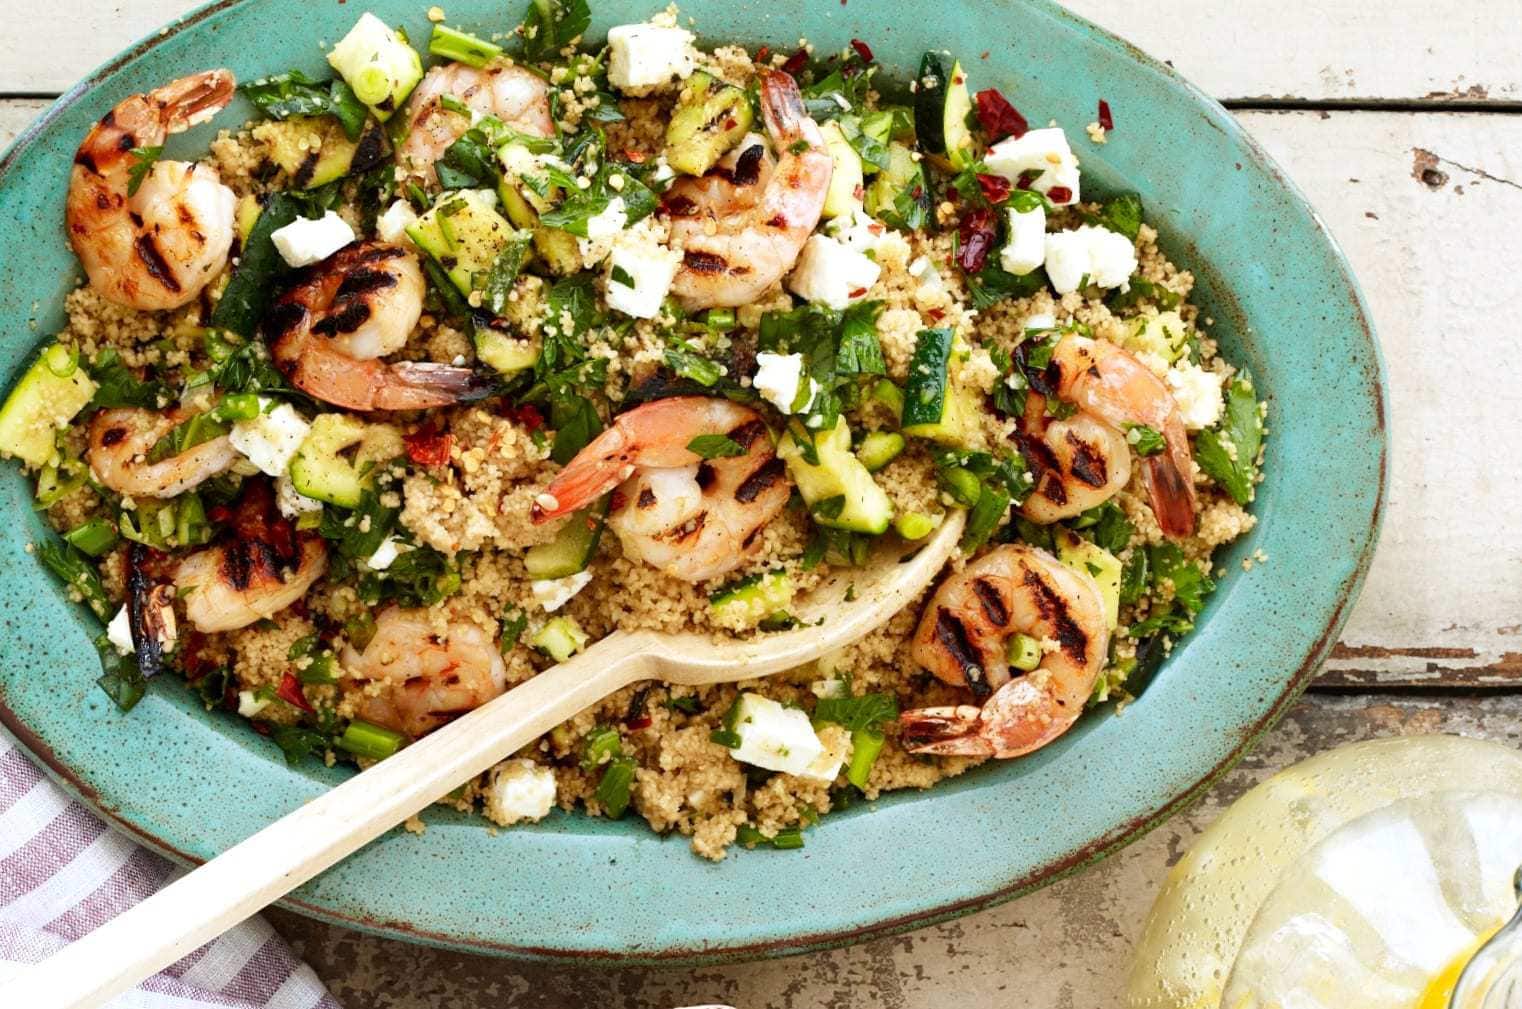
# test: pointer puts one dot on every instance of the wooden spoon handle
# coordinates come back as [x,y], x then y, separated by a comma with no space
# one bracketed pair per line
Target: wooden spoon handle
[301,844]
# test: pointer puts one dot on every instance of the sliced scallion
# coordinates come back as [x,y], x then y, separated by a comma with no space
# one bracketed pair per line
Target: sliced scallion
[366,740]
[453,44]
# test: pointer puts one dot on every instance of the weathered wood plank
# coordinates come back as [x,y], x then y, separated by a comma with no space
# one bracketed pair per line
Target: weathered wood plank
[1064,947]
[1424,206]
[15,114]
[1338,51]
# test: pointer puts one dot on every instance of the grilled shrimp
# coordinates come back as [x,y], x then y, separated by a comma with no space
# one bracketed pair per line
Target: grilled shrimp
[692,518]
[155,245]
[742,225]
[120,442]
[428,679]
[962,639]
[261,567]
[328,333]
[150,613]
[512,94]
[1084,461]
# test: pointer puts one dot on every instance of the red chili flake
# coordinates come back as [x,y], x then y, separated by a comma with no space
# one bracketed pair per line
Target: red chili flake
[634,157]
[763,53]
[937,314]
[860,191]
[975,239]
[429,447]
[1027,177]
[219,513]
[1105,119]
[862,49]
[995,188]
[262,728]
[290,692]
[1059,194]
[796,62]
[638,715]
[528,415]
[858,292]
[998,117]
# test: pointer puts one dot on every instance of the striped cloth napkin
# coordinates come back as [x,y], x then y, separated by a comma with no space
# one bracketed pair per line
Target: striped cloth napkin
[63,873]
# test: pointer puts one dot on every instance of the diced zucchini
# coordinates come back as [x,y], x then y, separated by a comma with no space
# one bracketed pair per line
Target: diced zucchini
[1024,652]
[556,248]
[319,469]
[900,193]
[838,481]
[506,354]
[915,525]
[710,118]
[889,395]
[560,638]
[378,64]
[465,235]
[572,548]
[879,448]
[752,600]
[45,399]
[936,408]
[246,216]
[941,106]
[314,150]
[847,184]
[1094,560]
[1165,334]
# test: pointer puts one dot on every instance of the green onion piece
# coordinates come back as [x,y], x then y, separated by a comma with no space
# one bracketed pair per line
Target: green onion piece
[791,837]
[914,525]
[371,84]
[720,318]
[240,406]
[601,745]
[61,361]
[191,527]
[746,834]
[613,789]
[320,670]
[866,744]
[55,483]
[1024,652]
[726,737]
[93,538]
[963,484]
[365,740]
[453,44]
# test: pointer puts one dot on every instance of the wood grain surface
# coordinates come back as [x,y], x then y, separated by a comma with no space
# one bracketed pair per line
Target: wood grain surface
[1398,121]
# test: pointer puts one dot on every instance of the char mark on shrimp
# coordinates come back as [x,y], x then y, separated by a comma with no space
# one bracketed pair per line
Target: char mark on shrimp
[704,262]
[991,601]
[747,170]
[154,262]
[1088,464]
[761,480]
[952,635]
[1071,638]
[346,320]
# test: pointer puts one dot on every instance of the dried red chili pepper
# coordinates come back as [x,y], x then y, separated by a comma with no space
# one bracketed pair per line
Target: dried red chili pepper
[995,188]
[528,415]
[428,447]
[998,118]
[862,49]
[1059,194]
[976,238]
[290,692]
[796,62]
[1105,119]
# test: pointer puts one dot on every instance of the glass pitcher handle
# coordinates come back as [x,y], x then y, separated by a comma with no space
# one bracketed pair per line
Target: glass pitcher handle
[1493,978]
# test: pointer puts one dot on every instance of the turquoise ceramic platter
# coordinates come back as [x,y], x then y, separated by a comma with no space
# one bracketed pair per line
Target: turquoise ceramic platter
[1283,302]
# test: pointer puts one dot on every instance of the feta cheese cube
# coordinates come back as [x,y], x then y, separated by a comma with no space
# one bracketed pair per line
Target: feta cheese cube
[386,554]
[1026,248]
[645,56]
[1106,258]
[250,703]
[270,440]
[774,737]
[306,241]
[392,225]
[609,222]
[553,593]
[777,378]
[858,231]
[518,791]
[649,266]
[831,274]
[119,631]
[1040,320]
[1197,393]
[291,502]
[1045,151]
[836,743]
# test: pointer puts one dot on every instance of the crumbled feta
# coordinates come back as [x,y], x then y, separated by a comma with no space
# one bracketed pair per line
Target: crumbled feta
[609,222]
[119,631]
[519,790]
[270,440]
[774,737]
[1040,320]
[1026,248]
[836,750]
[1045,151]
[1105,258]
[386,554]
[663,173]
[777,378]
[858,231]
[392,225]
[291,502]
[649,265]
[831,274]
[250,703]
[1197,393]
[553,593]
[306,241]
[646,56]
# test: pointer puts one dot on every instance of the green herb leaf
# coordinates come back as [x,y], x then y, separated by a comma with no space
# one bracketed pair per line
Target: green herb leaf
[868,711]
[1144,440]
[253,286]
[715,446]
[550,25]
[76,571]
[298,742]
[514,623]
[1190,584]
[687,704]
[116,384]
[619,275]
[1228,453]
[280,96]
[1122,214]
[143,159]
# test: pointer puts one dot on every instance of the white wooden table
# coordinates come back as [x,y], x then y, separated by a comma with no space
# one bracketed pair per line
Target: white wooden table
[1400,120]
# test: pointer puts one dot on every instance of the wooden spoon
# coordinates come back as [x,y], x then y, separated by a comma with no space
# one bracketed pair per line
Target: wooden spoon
[301,844]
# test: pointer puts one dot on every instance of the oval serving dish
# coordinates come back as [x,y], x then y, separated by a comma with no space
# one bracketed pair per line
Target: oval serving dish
[1283,303]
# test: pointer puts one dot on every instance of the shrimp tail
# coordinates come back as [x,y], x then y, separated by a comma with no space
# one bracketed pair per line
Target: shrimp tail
[193,100]
[595,470]
[421,385]
[948,732]
[1171,495]
[782,104]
